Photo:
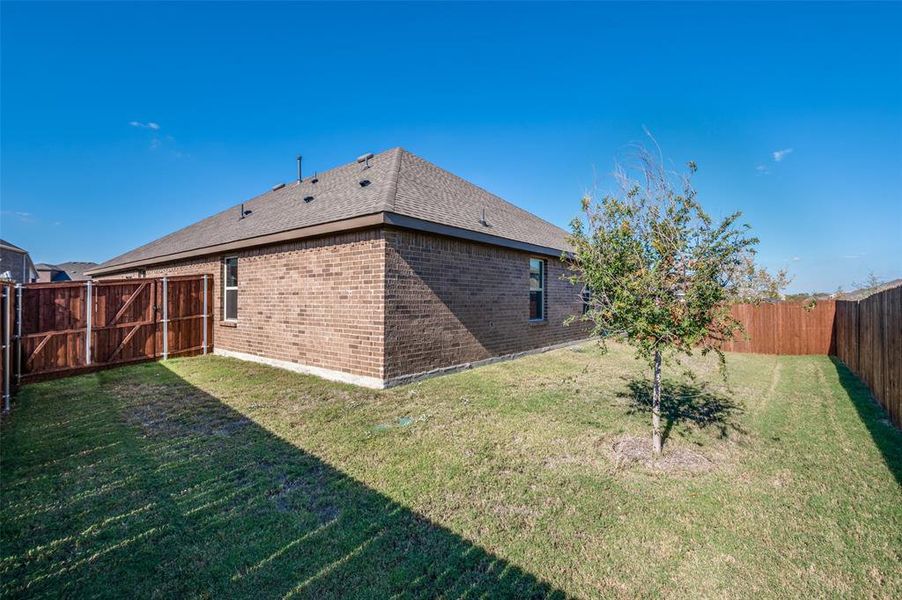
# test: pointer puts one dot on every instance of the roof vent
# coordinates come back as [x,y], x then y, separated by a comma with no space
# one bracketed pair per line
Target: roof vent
[314,179]
[243,213]
[300,178]
[278,186]
[308,199]
[364,182]
[365,159]
[483,221]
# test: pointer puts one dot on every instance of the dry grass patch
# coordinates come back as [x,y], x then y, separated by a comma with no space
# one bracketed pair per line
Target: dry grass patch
[633,450]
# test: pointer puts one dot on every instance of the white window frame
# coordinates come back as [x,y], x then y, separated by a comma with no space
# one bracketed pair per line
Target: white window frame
[226,288]
[543,272]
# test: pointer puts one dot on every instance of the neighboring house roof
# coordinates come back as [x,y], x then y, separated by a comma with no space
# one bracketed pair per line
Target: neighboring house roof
[24,265]
[67,271]
[403,190]
[50,273]
[75,269]
[13,247]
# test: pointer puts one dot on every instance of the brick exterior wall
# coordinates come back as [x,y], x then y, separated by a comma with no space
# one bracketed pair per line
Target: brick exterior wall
[384,303]
[312,302]
[450,301]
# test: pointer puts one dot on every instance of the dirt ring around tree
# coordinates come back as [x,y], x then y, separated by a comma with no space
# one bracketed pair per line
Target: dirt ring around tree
[632,450]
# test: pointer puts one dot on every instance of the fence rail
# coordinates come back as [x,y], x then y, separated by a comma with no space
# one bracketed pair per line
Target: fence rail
[66,328]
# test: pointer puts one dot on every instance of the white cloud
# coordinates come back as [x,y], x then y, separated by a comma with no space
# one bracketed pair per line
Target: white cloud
[762,170]
[781,154]
[148,125]
[158,140]
[796,259]
[22,217]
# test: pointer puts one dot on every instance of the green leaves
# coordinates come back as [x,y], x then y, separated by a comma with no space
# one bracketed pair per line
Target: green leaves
[661,271]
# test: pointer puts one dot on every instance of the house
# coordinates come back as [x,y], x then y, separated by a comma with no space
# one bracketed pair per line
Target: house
[375,273]
[16,264]
[67,271]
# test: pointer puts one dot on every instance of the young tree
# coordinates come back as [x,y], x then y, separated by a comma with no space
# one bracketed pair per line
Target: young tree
[659,272]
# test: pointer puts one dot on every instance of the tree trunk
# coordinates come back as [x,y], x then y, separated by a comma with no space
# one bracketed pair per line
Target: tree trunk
[656,406]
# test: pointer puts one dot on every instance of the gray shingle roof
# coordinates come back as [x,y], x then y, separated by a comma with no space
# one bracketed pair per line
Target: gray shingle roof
[400,183]
[76,268]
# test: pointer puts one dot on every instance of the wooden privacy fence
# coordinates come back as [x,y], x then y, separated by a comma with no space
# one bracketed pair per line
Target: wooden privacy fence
[784,328]
[866,335]
[66,328]
[869,342]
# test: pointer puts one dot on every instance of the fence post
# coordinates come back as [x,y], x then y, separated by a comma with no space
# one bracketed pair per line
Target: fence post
[205,314]
[858,338]
[89,314]
[165,318]
[18,334]
[6,327]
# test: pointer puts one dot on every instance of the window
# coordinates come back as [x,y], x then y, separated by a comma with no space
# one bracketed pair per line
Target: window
[536,289]
[230,288]
[587,299]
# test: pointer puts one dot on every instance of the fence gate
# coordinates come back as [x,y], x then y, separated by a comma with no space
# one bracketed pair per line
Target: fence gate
[65,328]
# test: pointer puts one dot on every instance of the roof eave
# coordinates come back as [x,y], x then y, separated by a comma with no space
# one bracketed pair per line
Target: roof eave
[413,223]
[355,223]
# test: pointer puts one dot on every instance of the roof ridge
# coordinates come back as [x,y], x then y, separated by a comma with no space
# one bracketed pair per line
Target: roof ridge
[493,195]
[404,184]
[394,174]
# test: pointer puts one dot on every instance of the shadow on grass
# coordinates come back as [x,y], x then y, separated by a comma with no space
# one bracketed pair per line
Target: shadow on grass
[164,490]
[685,403]
[886,436]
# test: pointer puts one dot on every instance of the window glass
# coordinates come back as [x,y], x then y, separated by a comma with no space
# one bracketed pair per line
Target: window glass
[535,274]
[230,289]
[232,272]
[231,310]
[535,306]
[536,289]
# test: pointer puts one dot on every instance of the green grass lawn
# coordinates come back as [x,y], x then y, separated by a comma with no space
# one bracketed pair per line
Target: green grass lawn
[216,478]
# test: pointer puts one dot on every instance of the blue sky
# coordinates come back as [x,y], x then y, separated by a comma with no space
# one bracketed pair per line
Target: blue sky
[123,122]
